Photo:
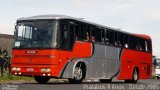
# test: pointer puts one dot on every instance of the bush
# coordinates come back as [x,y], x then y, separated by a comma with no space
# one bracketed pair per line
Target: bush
[153,77]
[4,61]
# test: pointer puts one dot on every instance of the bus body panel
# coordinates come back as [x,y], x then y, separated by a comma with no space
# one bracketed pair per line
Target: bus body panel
[54,59]
[105,61]
[131,59]
[110,61]
[103,64]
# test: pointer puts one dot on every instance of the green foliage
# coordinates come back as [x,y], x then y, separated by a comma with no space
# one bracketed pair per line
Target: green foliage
[153,77]
[4,60]
[10,77]
[0,51]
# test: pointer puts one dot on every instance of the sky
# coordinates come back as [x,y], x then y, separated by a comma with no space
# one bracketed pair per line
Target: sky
[135,16]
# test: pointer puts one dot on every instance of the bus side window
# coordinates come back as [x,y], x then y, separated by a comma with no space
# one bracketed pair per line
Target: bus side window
[149,44]
[134,43]
[126,41]
[67,41]
[111,37]
[78,31]
[121,41]
[146,46]
[103,36]
[88,28]
[143,45]
[98,35]
[76,34]
[64,36]
[71,34]
[93,34]
[139,45]
[81,31]
[107,37]
[116,39]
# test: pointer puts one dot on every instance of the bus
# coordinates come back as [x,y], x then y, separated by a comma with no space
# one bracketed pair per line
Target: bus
[59,46]
[157,68]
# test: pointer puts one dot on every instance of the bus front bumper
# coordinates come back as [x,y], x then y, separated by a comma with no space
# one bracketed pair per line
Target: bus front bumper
[35,70]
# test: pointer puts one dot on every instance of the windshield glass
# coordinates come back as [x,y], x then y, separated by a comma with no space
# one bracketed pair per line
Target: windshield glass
[35,34]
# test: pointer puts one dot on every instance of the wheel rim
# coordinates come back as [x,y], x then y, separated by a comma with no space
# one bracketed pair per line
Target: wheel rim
[135,75]
[78,73]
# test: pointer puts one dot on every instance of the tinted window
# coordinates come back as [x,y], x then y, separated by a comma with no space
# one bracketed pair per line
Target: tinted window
[134,43]
[98,35]
[103,36]
[88,28]
[142,46]
[67,35]
[126,41]
[93,31]
[107,37]
[149,44]
[111,37]
[81,31]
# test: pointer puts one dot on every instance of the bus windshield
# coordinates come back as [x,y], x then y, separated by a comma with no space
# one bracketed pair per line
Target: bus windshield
[35,34]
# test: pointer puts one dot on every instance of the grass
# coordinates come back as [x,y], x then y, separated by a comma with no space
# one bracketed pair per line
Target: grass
[9,77]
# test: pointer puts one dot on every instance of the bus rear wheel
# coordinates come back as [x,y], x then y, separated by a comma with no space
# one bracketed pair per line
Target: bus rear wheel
[105,80]
[135,77]
[41,79]
[79,74]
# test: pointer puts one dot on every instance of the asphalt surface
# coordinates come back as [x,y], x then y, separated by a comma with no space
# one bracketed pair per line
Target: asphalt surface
[150,84]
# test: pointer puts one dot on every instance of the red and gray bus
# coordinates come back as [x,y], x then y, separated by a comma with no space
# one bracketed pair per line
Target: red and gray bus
[59,46]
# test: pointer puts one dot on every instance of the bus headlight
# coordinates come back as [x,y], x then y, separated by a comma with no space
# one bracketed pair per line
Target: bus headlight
[16,69]
[45,70]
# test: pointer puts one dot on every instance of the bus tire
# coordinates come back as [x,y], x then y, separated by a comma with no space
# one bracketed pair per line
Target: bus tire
[79,74]
[41,79]
[135,76]
[105,80]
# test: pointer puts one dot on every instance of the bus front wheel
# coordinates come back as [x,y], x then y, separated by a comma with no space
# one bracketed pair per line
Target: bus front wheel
[79,74]
[41,79]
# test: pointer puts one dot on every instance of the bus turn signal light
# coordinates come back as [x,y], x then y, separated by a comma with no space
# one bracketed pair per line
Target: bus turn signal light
[45,70]
[16,69]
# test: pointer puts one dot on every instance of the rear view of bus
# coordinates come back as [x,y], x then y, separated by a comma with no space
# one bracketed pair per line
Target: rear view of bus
[58,46]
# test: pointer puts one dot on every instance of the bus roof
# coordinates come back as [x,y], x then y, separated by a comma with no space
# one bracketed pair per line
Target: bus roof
[56,16]
[143,36]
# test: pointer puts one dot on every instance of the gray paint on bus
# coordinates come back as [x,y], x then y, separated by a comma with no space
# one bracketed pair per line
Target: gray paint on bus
[104,63]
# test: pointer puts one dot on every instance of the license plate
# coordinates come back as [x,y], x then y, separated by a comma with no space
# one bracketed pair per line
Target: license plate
[30,69]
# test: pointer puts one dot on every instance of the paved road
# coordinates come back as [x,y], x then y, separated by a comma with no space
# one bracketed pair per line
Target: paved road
[62,85]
